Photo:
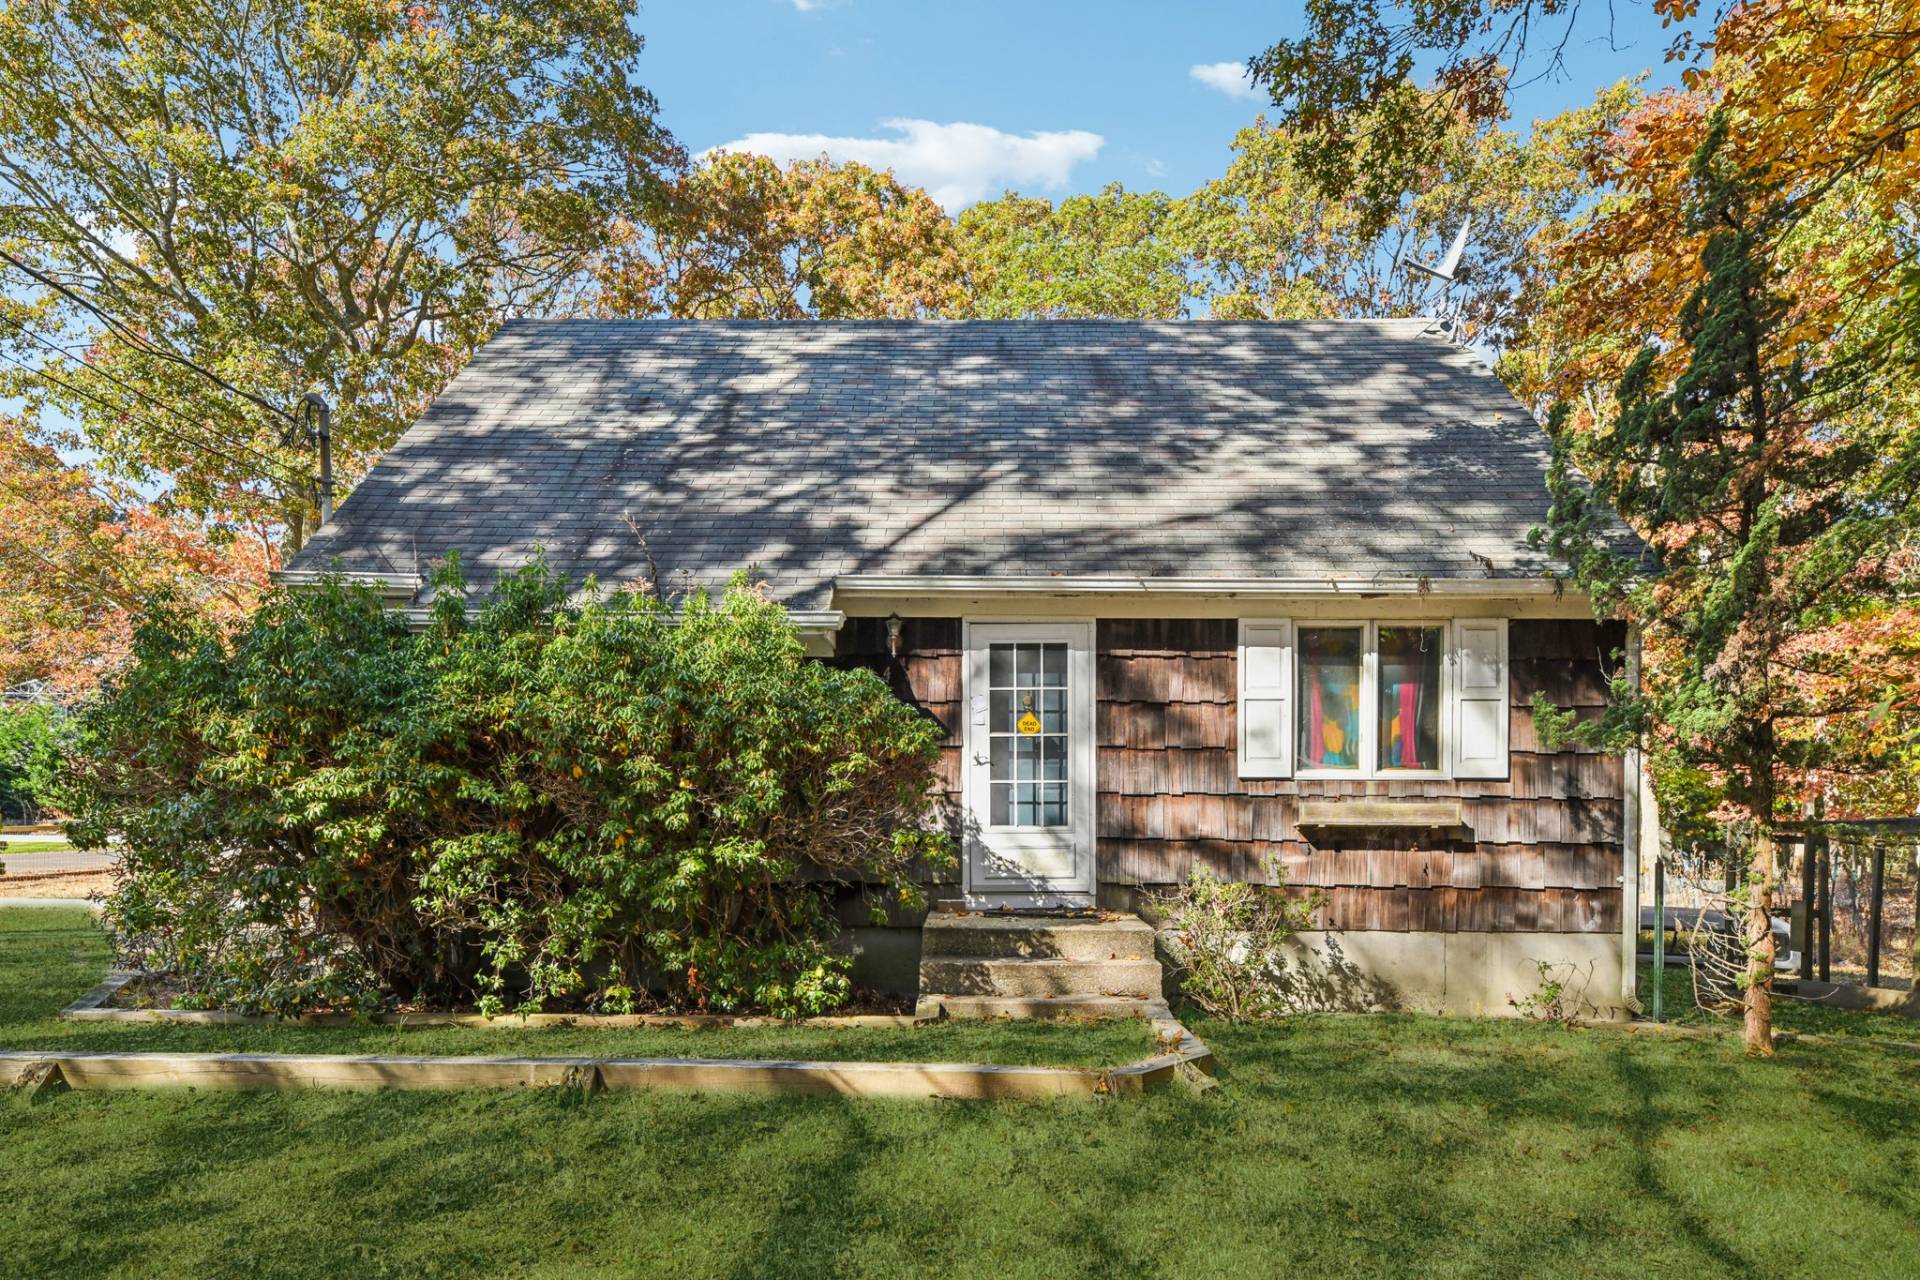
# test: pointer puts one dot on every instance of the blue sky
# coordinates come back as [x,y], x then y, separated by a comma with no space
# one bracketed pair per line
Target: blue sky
[1068,95]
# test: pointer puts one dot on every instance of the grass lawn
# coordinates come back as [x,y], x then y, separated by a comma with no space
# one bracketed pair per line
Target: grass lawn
[1386,1146]
[50,956]
[1789,1014]
[32,844]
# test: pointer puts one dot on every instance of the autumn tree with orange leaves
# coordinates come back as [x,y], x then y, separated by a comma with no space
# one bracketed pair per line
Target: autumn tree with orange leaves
[1830,85]
[82,559]
[1817,112]
[738,236]
[1762,438]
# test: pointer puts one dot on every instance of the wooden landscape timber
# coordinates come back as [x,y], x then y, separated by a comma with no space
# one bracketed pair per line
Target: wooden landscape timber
[1183,1058]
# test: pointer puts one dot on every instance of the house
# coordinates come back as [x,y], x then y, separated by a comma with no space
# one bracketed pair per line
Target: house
[1257,595]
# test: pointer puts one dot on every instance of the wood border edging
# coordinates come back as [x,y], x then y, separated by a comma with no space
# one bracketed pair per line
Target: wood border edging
[1189,1059]
[1182,1057]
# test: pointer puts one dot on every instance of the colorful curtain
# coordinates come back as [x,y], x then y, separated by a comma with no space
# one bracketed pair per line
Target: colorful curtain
[1402,747]
[1333,724]
[1316,727]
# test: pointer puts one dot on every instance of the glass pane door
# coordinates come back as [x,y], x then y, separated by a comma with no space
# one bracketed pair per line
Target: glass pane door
[1027,735]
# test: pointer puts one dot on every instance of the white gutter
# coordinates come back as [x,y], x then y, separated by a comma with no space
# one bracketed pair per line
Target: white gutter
[808,622]
[946,585]
[397,590]
[1633,784]
[393,587]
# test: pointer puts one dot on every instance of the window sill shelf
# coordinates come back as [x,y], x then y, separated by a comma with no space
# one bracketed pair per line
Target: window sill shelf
[1421,815]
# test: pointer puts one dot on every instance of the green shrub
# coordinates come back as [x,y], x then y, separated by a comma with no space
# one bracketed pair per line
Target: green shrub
[29,750]
[550,803]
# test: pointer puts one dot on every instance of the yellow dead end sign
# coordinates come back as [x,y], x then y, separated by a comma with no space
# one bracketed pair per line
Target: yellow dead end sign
[1028,724]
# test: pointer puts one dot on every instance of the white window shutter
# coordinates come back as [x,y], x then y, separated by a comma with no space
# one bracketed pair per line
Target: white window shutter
[1266,698]
[1480,698]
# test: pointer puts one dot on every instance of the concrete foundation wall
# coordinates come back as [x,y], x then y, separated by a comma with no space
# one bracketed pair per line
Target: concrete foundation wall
[885,958]
[1459,974]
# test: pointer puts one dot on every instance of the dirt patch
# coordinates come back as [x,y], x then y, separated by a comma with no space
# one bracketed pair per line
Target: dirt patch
[57,884]
[148,991]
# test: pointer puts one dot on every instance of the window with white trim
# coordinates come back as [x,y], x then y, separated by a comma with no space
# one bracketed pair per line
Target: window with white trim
[1373,699]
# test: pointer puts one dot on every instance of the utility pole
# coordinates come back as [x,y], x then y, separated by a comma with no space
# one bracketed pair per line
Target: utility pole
[318,406]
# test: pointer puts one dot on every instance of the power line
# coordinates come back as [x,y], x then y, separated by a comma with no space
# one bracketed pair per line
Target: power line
[298,483]
[132,339]
[141,395]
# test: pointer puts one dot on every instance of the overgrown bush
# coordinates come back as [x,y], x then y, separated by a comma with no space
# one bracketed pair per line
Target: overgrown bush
[547,804]
[1229,943]
[1561,996]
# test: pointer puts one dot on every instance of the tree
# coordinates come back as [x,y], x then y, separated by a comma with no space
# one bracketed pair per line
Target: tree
[1617,287]
[30,733]
[1842,248]
[1837,89]
[737,236]
[82,558]
[209,210]
[1109,255]
[1270,245]
[1768,527]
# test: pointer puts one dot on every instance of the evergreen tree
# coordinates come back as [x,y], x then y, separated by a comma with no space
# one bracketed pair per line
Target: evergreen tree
[1772,508]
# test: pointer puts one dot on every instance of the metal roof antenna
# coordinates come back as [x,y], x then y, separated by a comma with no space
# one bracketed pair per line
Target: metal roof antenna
[1447,271]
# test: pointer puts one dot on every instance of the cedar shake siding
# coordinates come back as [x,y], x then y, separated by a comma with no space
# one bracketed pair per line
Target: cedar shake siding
[927,675]
[1545,849]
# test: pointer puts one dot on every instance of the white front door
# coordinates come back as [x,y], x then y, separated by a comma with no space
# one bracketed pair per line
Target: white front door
[1029,764]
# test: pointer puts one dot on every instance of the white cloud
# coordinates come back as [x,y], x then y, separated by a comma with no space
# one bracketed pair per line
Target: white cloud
[122,242]
[1229,78]
[814,6]
[957,163]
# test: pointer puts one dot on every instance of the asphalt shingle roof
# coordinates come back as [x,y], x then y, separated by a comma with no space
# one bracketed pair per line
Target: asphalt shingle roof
[812,450]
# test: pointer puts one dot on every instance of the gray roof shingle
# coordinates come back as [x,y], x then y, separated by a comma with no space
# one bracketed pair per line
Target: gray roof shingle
[813,450]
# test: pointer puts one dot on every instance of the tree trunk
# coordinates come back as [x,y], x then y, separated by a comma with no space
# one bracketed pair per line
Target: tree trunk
[1757,1035]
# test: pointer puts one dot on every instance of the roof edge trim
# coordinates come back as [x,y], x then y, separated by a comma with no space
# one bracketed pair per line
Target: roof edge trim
[956,585]
[398,590]
[808,622]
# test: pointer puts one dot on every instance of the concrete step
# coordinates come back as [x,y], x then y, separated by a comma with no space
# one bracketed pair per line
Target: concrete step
[990,1007]
[1037,938]
[999,976]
